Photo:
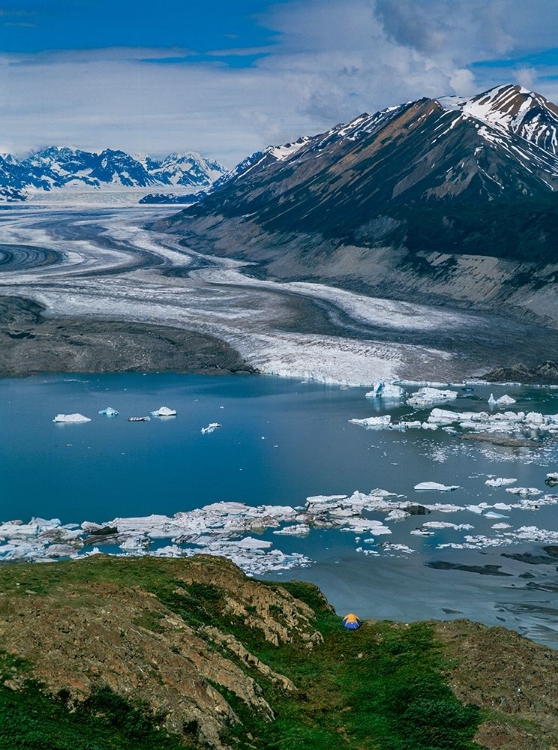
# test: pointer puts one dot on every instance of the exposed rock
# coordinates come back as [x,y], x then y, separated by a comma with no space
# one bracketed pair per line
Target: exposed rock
[417,510]
[128,640]
[545,374]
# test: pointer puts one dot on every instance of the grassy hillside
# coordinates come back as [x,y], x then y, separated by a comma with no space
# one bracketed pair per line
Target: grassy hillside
[145,653]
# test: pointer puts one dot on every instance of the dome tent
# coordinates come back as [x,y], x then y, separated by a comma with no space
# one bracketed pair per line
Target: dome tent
[351,622]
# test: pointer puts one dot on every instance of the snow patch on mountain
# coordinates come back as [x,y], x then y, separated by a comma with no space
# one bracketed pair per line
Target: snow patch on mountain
[64,167]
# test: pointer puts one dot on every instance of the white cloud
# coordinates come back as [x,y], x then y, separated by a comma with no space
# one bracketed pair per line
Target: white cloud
[332,60]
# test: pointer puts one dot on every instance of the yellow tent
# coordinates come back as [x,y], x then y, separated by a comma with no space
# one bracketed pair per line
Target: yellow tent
[351,622]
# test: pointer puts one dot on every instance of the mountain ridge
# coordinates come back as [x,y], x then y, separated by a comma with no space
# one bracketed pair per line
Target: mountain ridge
[63,167]
[415,199]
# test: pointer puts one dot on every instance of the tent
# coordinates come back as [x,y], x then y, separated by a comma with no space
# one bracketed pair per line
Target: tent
[351,622]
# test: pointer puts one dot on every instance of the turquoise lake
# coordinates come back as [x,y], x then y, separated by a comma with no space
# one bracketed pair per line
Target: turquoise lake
[282,441]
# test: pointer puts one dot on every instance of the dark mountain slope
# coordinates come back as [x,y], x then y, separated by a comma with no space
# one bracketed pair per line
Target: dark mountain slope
[464,179]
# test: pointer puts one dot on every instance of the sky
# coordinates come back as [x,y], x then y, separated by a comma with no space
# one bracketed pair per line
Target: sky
[228,77]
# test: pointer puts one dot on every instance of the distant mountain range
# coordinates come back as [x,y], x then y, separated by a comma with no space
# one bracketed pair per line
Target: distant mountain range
[396,201]
[62,167]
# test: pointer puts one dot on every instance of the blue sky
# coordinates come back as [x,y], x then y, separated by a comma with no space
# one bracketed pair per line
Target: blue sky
[227,77]
[201,27]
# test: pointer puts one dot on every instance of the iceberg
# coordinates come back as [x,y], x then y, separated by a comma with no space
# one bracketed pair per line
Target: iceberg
[428,396]
[500,482]
[436,486]
[164,411]
[523,491]
[75,418]
[211,427]
[386,391]
[109,412]
[504,400]
[551,479]
[373,422]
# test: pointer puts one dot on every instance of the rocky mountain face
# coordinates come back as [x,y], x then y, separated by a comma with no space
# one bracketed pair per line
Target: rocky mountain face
[451,199]
[62,167]
[158,653]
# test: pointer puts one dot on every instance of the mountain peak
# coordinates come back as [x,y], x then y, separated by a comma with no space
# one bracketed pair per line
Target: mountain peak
[515,109]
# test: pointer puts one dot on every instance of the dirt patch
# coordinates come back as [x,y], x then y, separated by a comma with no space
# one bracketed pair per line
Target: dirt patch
[513,679]
[31,343]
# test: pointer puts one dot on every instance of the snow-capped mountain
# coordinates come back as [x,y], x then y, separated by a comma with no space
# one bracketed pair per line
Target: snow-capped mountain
[513,109]
[62,167]
[451,198]
[499,145]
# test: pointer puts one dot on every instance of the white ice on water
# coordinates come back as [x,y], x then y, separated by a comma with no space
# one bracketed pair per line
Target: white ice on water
[211,427]
[164,411]
[74,418]
[386,390]
[436,486]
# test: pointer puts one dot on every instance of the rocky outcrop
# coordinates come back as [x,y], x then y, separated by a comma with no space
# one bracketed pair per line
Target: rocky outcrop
[544,374]
[89,635]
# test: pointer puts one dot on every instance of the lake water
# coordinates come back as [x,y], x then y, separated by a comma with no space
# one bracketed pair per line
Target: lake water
[282,441]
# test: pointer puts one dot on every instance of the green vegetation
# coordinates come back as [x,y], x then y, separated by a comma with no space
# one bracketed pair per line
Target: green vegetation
[29,720]
[382,686]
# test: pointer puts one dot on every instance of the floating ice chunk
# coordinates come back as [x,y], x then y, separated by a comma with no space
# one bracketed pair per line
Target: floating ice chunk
[551,479]
[164,411]
[436,486]
[136,543]
[428,396]
[75,418]
[499,482]
[447,525]
[109,412]
[301,529]
[211,427]
[397,515]
[422,532]
[491,514]
[478,509]
[250,543]
[501,526]
[523,491]
[396,548]
[373,422]
[505,400]
[442,417]
[388,391]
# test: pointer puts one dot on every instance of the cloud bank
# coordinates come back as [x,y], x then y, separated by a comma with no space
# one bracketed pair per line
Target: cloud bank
[332,60]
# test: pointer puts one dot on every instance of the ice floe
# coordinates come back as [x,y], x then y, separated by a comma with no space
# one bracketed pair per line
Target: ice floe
[74,418]
[427,396]
[373,422]
[164,411]
[518,424]
[504,400]
[386,390]
[436,486]
[109,412]
[211,427]
[524,491]
[552,479]
[500,482]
